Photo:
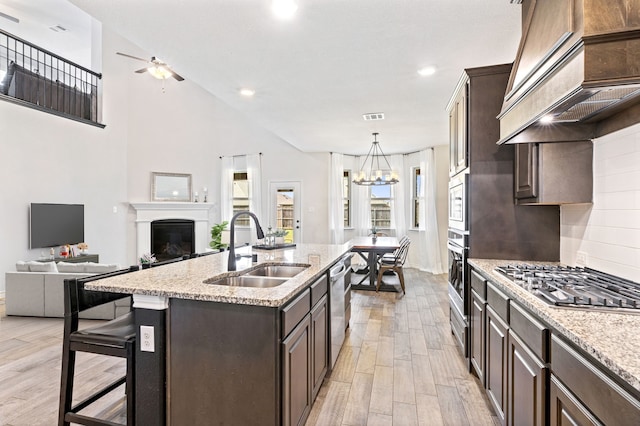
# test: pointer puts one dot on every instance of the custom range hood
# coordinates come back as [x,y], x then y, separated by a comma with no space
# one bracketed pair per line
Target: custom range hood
[577,71]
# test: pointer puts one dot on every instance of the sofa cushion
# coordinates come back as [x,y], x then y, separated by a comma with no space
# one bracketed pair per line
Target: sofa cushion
[101,268]
[35,266]
[79,267]
[22,266]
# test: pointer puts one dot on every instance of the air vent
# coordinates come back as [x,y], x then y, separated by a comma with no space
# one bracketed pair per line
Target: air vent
[373,116]
[58,28]
[9,17]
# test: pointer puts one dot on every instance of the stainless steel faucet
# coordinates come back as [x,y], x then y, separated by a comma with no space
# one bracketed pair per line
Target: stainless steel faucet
[231,265]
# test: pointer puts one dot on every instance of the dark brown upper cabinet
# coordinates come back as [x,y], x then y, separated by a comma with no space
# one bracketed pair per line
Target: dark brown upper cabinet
[554,173]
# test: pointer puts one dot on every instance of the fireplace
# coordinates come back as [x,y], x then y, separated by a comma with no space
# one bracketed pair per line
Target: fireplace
[150,212]
[171,238]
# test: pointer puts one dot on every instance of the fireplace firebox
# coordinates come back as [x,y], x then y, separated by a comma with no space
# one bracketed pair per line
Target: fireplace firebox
[172,238]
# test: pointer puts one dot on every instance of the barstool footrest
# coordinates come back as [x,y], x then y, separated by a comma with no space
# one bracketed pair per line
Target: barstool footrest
[96,396]
[88,421]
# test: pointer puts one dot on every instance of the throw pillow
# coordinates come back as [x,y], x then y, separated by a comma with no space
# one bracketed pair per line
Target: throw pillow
[42,266]
[22,266]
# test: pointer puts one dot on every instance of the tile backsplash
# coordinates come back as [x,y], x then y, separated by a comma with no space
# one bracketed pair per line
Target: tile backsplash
[606,234]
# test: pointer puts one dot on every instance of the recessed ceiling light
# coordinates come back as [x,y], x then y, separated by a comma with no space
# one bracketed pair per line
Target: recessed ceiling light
[247,92]
[427,71]
[284,9]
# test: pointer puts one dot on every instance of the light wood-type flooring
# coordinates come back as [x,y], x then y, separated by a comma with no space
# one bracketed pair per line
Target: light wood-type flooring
[399,366]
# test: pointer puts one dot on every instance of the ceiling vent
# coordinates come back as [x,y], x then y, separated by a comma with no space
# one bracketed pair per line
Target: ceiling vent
[58,28]
[373,116]
[9,17]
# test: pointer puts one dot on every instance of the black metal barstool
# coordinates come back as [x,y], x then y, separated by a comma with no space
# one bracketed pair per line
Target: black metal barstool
[114,338]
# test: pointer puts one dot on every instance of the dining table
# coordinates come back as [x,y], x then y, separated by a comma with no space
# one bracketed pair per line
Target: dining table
[371,249]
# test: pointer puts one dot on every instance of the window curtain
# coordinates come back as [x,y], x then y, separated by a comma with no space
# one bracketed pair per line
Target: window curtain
[226,195]
[430,259]
[336,210]
[254,175]
[398,206]
[361,208]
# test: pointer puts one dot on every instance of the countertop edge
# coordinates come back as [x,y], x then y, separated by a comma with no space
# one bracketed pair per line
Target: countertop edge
[174,280]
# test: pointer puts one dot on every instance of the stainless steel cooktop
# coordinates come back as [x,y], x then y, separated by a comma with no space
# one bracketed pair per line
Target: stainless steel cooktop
[575,287]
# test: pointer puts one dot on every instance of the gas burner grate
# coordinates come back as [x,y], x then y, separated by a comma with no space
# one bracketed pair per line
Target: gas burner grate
[574,286]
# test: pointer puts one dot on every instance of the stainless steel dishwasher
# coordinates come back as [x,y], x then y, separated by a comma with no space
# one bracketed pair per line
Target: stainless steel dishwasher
[338,320]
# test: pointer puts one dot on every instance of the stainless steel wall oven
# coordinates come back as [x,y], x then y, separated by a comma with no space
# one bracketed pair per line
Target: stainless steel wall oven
[457,249]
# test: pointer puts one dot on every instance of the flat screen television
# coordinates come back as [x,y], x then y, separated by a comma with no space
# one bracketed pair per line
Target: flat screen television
[52,225]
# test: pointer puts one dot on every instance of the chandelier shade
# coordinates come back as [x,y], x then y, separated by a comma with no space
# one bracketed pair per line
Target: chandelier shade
[376,169]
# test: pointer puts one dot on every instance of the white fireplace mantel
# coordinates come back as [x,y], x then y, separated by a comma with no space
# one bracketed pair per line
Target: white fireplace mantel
[147,212]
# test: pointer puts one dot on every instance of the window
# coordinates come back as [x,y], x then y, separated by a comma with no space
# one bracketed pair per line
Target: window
[417,190]
[346,197]
[241,196]
[381,206]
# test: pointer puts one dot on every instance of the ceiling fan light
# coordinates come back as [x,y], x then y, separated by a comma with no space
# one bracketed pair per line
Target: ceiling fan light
[159,72]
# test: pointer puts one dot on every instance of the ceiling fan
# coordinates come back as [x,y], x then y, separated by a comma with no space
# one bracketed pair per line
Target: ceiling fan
[157,68]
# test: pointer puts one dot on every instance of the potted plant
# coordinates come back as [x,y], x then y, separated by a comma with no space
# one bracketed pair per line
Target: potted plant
[279,235]
[147,259]
[216,236]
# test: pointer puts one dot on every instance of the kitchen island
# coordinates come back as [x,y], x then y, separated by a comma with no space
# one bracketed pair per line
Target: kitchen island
[223,354]
[584,362]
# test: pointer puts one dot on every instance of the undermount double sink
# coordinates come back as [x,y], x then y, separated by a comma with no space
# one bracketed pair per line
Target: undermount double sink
[261,276]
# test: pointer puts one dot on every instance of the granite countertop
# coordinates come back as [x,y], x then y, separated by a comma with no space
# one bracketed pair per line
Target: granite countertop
[610,337]
[184,280]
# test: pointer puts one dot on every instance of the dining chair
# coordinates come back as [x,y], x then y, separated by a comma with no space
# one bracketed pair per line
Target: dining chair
[395,263]
[391,256]
[113,338]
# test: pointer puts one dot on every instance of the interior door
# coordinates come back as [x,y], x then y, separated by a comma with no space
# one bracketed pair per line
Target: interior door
[284,209]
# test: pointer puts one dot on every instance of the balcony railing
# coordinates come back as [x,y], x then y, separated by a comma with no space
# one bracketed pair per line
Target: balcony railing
[40,79]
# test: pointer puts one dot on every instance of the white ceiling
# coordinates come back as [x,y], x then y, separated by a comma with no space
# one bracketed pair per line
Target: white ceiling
[315,75]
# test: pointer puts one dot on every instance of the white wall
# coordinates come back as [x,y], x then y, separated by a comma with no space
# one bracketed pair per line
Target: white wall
[609,230]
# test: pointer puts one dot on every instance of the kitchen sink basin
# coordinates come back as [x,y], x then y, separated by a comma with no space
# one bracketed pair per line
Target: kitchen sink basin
[247,281]
[283,271]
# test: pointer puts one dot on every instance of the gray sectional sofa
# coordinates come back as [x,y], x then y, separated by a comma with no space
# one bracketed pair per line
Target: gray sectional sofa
[37,289]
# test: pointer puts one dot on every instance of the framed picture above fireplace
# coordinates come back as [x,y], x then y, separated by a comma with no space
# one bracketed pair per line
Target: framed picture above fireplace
[170,187]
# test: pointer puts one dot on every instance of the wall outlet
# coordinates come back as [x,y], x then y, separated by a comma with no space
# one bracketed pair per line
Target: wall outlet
[147,342]
[581,258]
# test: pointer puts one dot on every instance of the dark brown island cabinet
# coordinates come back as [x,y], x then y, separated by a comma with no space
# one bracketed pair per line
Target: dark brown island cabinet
[247,365]
[532,374]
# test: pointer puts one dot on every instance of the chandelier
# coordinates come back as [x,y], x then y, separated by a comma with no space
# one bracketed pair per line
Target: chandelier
[374,174]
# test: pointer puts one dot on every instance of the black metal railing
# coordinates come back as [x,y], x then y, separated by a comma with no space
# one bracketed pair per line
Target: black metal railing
[41,79]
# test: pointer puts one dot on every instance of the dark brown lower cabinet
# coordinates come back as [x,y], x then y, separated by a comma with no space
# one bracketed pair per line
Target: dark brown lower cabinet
[582,389]
[565,408]
[496,363]
[247,365]
[297,374]
[477,341]
[526,385]
[319,345]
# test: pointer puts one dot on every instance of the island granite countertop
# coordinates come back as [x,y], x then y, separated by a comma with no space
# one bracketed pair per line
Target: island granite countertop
[185,279]
[608,336]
